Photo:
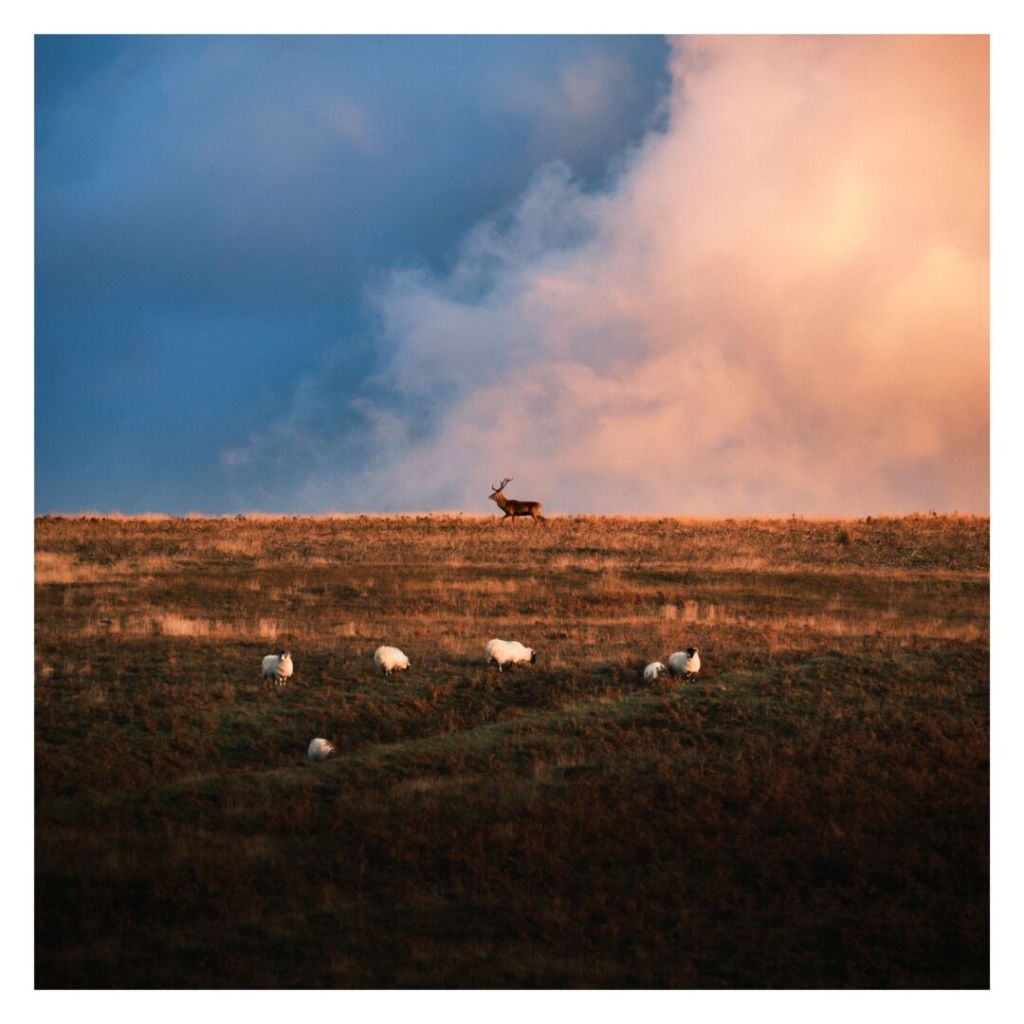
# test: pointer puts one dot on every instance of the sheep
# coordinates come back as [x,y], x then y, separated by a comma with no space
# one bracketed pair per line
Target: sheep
[278,668]
[390,659]
[509,652]
[685,663]
[653,670]
[319,749]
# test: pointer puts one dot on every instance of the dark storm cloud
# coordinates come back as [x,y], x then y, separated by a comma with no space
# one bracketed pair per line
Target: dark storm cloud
[210,211]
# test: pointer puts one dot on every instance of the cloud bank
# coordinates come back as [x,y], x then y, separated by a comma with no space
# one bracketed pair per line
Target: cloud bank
[780,304]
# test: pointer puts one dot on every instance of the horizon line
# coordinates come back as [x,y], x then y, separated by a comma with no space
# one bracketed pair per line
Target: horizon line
[456,514]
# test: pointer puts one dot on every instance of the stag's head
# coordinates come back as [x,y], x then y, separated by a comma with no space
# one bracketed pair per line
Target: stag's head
[495,491]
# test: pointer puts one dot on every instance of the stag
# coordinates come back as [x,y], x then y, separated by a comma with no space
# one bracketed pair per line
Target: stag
[511,507]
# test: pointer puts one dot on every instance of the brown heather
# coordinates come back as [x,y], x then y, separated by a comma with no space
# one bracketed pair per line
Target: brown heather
[813,812]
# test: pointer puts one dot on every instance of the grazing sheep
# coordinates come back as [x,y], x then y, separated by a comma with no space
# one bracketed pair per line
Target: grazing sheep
[653,670]
[390,659]
[278,668]
[319,749]
[509,652]
[685,663]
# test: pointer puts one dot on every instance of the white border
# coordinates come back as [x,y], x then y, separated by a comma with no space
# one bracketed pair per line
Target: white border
[535,16]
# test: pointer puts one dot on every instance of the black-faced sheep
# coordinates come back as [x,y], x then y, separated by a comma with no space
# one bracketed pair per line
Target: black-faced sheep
[278,668]
[685,663]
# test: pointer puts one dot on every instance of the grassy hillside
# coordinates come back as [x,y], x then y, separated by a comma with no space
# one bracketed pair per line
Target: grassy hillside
[812,812]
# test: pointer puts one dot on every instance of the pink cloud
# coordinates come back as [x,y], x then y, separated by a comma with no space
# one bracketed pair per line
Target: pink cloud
[781,305]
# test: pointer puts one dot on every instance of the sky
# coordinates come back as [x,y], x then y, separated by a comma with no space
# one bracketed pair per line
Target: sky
[691,276]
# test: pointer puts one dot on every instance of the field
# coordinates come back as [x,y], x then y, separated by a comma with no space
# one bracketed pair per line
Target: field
[813,811]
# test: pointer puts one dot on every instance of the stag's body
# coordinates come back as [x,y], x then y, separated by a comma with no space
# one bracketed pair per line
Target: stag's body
[513,507]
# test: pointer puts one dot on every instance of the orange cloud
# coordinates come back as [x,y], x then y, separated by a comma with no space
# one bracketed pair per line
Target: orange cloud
[781,305]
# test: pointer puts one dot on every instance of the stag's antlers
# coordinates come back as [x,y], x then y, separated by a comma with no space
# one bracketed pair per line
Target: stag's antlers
[501,486]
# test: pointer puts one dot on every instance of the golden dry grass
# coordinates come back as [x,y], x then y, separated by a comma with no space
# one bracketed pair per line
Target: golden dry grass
[813,812]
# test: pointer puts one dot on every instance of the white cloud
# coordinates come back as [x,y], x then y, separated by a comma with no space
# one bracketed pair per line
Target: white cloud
[780,305]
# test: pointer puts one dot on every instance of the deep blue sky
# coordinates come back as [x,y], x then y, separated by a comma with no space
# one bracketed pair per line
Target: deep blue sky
[210,212]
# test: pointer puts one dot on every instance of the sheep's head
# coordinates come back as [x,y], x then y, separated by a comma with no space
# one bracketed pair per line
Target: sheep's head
[533,656]
[691,651]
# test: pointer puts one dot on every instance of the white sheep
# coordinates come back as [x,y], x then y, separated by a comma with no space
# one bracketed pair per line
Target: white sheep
[685,663]
[653,670]
[509,652]
[278,668]
[390,659]
[319,749]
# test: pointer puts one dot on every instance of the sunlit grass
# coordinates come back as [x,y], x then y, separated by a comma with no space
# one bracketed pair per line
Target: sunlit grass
[813,811]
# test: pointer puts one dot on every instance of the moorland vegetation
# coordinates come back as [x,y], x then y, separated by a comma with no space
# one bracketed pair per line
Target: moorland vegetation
[812,811]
